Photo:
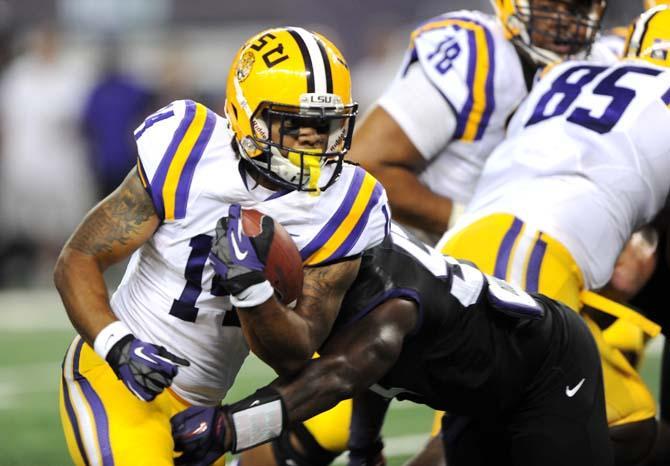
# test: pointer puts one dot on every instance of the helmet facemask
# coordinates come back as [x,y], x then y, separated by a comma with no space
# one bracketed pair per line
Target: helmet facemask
[551,30]
[303,147]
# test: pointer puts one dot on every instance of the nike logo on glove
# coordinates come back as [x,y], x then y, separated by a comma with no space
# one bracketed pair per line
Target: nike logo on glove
[139,352]
[236,248]
[570,392]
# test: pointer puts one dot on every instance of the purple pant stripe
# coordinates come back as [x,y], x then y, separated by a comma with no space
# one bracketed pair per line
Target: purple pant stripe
[505,249]
[73,420]
[98,409]
[534,265]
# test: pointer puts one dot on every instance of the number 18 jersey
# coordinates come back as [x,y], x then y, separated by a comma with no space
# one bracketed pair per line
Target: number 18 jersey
[586,160]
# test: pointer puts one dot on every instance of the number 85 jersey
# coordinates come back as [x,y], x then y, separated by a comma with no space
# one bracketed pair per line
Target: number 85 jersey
[587,159]
[191,171]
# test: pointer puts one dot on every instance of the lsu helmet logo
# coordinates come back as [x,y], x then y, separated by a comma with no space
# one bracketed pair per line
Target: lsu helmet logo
[244,65]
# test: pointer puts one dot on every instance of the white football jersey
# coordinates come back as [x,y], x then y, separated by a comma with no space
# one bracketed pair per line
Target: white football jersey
[614,40]
[587,160]
[193,175]
[459,83]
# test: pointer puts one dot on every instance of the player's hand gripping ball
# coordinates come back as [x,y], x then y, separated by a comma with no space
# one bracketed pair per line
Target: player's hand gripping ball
[255,256]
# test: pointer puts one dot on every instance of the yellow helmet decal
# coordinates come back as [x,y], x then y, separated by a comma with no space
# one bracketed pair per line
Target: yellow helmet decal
[649,36]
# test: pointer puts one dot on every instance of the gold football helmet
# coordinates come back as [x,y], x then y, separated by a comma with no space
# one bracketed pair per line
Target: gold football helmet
[551,30]
[649,36]
[652,3]
[282,81]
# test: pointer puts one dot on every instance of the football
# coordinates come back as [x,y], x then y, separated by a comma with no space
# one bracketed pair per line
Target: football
[283,267]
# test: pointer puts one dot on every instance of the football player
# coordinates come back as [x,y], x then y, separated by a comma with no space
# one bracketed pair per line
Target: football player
[430,133]
[585,163]
[173,333]
[520,373]
[463,76]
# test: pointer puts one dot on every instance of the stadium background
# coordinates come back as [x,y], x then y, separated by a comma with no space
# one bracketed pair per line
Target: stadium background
[57,53]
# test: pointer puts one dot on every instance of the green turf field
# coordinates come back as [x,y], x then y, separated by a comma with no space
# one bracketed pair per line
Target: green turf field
[33,339]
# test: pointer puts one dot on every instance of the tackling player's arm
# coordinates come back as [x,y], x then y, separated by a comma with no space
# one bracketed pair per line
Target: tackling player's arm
[111,231]
[381,146]
[287,338]
[352,360]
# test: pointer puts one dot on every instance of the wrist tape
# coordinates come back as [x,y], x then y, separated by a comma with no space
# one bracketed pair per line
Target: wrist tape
[109,336]
[253,296]
[256,419]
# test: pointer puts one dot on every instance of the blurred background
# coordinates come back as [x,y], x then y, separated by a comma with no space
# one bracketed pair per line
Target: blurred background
[76,77]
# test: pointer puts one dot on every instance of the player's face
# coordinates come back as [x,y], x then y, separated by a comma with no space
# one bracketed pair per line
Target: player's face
[300,133]
[560,25]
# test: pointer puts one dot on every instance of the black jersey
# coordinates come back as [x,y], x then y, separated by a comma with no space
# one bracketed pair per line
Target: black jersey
[478,340]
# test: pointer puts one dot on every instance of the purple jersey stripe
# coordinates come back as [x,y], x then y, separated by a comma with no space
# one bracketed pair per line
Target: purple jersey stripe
[505,249]
[666,97]
[153,119]
[356,232]
[161,173]
[489,95]
[184,185]
[472,66]
[98,409]
[534,265]
[73,419]
[332,225]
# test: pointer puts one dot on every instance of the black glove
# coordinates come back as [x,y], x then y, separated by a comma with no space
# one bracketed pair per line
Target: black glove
[144,368]
[199,434]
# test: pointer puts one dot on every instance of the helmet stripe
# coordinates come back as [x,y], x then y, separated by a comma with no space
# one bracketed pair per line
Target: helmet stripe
[326,62]
[316,59]
[309,71]
[641,29]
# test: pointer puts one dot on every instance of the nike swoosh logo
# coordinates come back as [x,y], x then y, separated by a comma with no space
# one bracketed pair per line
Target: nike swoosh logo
[139,352]
[236,247]
[570,392]
[256,402]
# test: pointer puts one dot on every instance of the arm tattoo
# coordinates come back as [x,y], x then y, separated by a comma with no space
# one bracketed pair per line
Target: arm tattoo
[116,220]
[324,287]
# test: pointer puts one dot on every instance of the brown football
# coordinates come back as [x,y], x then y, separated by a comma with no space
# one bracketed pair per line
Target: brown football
[283,267]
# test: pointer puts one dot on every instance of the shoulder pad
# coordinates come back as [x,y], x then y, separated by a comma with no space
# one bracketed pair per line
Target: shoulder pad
[170,143]
[457,53]
[358,218]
